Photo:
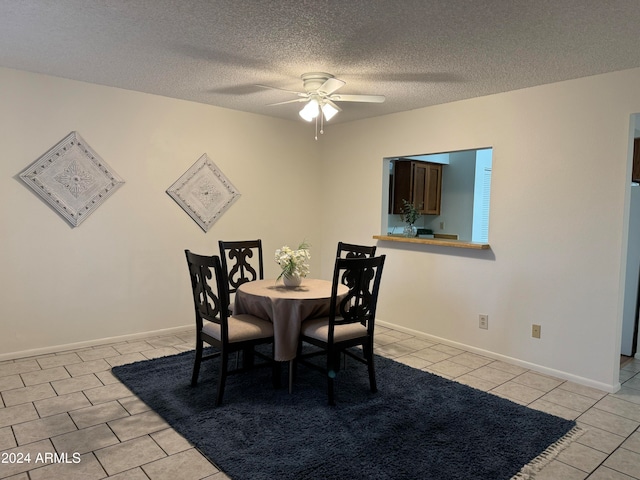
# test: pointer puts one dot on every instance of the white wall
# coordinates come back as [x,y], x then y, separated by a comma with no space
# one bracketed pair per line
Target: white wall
[123,271]
[560,182]
[559,215]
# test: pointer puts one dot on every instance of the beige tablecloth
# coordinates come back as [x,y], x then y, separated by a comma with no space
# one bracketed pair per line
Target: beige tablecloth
[286,308]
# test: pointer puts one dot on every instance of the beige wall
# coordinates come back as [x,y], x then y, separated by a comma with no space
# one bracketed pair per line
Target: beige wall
[557,227]
[123,271]
[558,195]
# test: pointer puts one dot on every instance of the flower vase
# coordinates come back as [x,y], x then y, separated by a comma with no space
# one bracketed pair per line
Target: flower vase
[410,230]
[291,281]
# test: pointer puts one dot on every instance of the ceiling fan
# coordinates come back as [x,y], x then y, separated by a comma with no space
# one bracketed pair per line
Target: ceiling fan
[320,97]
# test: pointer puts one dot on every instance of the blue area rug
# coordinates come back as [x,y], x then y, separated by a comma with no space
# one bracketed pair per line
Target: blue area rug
[417,426]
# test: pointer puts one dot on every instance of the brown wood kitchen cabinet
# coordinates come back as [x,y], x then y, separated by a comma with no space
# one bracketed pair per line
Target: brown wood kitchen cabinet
[419,183]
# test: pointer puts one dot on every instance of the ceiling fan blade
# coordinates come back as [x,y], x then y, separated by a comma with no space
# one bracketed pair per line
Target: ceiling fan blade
[288,101]
[300,94]
[332,104]
[358,98]
[330,86]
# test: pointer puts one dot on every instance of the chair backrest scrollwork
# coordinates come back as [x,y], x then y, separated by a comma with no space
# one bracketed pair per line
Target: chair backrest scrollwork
[241,262]
[350,250]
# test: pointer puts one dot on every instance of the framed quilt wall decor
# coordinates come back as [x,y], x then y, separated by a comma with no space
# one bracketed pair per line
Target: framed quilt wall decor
[72,178]
[204,192]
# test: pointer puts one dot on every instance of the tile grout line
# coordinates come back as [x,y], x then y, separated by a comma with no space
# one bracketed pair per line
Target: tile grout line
[164,345]
[602,464]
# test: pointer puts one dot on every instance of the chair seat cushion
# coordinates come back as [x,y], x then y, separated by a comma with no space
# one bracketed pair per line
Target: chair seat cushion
[318,328]
[241,328]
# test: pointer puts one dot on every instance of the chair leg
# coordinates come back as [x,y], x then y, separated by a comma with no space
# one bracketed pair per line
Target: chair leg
[368,354]
[222,378]
[196,363]
[333,365]
[247,357]
[294,366]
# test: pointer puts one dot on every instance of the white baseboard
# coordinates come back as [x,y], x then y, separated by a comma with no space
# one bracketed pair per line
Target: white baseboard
[167,331]
[496,356]
[91,343]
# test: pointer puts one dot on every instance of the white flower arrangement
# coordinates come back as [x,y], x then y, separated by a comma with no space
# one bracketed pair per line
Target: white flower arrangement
[293,262]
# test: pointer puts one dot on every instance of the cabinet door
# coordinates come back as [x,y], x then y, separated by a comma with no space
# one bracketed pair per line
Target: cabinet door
[433,190]
[419,183]
[420,186]
[401,185]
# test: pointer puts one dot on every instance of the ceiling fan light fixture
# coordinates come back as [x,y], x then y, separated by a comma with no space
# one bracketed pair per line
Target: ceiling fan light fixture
[319,96]
[310,110]
[329,111]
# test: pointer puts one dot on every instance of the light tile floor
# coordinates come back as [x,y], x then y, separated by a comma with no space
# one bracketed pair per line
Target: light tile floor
[70,402]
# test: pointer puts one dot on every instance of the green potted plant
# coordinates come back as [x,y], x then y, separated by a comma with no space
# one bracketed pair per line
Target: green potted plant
[409,215]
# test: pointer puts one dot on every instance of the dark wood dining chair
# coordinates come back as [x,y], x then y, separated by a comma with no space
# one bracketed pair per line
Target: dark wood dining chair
[214,326]
[350,250]
[241,262]
[351,321]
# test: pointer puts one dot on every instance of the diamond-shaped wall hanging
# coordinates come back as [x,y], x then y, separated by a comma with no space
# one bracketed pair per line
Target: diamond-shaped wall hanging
[72,178]
[204,192]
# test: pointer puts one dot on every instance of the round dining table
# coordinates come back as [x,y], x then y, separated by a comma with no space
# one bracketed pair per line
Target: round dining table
[286,308]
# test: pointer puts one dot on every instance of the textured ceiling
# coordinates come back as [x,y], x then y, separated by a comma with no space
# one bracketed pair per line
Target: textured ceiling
[415,52]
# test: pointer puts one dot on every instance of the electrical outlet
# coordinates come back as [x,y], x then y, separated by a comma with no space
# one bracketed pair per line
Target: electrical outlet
[535,331]
[483,321]
[441,225]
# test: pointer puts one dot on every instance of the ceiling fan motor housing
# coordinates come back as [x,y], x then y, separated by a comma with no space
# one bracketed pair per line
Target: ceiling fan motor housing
[314,80]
